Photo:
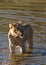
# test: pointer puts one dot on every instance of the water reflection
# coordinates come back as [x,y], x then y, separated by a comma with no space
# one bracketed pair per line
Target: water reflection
[27,59]
[19,60]
[14,60]
[33,13]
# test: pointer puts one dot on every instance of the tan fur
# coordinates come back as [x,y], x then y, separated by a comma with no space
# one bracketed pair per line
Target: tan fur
[16,38]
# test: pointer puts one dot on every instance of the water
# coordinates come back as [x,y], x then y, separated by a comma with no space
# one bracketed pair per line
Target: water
[37,18]
[37,58]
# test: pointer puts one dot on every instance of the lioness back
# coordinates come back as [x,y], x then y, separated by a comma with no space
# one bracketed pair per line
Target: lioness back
[28,30]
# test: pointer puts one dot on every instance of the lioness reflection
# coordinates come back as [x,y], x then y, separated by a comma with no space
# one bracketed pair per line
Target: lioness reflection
[19,35]
[14,60]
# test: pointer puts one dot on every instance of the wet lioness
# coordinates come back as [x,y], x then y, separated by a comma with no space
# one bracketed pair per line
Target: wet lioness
[20,34]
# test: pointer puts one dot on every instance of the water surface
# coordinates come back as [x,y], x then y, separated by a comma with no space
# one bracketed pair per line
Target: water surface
[36,17]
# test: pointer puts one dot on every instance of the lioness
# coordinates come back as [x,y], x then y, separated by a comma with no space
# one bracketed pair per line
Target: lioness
[18,35]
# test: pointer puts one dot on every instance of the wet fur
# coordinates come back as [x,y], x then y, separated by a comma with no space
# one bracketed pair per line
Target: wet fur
[27,35]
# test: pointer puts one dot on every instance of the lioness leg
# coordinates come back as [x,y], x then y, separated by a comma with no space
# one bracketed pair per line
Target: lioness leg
[31,45]
[12,48]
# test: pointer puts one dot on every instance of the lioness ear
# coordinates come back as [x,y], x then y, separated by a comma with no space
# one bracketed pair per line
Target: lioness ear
[10,25]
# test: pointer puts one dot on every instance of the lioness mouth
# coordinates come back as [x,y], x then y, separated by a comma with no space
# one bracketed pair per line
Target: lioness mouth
[22,35]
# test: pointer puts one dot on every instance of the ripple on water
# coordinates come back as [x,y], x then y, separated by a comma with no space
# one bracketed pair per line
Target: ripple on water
[38,57]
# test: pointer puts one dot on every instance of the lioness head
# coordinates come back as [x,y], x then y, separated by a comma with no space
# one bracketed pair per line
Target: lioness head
[14,30]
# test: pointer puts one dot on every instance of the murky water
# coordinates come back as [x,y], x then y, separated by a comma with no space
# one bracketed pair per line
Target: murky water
[37,19]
